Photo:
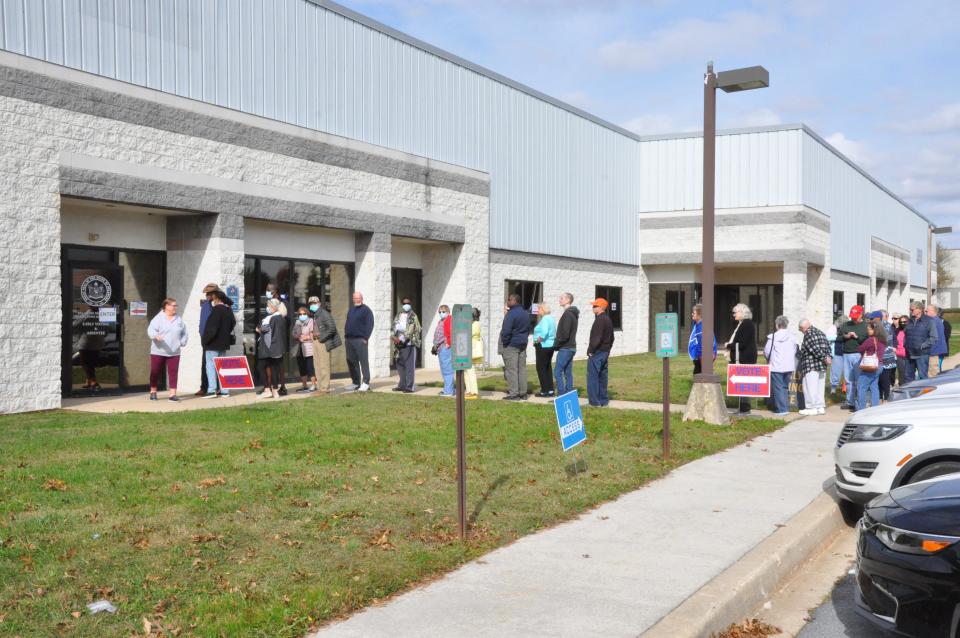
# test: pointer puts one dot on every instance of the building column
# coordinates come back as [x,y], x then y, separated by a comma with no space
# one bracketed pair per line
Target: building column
[374,279]
[201,250]
[795,306]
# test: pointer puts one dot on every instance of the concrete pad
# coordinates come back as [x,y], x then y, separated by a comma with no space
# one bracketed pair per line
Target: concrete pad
[620,568]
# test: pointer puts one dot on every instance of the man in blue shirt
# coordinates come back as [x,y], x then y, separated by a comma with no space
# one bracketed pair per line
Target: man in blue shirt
[513,348]
[357,331]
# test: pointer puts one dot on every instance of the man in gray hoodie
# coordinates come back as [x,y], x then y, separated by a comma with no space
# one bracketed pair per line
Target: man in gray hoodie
[565,344]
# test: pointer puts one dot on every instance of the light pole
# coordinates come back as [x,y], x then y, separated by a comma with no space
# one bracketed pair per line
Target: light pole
[931,231]
[706,399]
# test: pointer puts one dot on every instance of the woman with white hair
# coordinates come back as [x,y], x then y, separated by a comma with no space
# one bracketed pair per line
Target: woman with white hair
[270,347]
[742,345]
[781,353]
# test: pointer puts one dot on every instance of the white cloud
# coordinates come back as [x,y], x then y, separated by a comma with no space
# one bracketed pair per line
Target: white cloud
[944,120]
[757,117]
[856,151]
[691,39]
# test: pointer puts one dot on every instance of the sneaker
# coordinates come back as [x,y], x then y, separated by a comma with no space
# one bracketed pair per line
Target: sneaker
[303,389]
[174,398]
[351,387]
[808,411]
[266,394]
[510,397]
[312,388]
[397,389]
[282,391]
[364,387]
[821,410]
[781,414]
[153,396]
[211,396]
[200,392]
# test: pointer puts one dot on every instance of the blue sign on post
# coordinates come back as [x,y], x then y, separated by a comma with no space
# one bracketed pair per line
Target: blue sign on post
[569,420]
[233,294]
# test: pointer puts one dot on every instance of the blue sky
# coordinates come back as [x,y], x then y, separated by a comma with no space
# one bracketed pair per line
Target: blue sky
[879,80]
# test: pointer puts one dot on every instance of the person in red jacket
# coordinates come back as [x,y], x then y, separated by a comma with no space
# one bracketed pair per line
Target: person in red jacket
[441,347]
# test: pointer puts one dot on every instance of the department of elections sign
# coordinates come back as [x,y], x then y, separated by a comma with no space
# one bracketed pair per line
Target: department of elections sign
[569,420]
[666,334]
[95,291]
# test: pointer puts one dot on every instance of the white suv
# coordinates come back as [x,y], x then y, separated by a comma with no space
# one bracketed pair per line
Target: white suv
[895,444]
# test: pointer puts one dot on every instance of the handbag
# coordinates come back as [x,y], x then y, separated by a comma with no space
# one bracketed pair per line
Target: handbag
[870,362]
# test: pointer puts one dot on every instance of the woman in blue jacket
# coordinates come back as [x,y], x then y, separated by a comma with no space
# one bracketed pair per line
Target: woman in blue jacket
[544,335]
[695,344]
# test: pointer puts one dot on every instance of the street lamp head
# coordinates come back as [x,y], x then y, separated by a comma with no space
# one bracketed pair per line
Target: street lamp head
[941,230]
[751,77]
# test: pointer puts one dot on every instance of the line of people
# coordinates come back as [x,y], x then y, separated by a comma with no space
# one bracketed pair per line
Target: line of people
[868,352]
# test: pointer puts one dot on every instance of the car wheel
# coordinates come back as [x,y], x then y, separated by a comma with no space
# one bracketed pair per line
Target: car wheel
[934,470]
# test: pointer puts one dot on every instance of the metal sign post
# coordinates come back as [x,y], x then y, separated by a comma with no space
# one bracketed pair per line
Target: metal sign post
[666,338]
[461,335]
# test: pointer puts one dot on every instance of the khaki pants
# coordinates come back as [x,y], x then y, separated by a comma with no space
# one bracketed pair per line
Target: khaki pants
[470,381]
[321,364]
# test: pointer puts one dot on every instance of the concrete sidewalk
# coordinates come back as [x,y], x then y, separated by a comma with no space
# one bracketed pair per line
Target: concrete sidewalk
[618,569]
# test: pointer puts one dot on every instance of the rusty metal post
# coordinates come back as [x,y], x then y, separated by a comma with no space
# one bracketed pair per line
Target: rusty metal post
[666,408]
[461,460]
[707,276]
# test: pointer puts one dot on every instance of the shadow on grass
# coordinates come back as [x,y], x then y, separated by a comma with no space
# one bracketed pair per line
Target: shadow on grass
[500,480]
[579,466]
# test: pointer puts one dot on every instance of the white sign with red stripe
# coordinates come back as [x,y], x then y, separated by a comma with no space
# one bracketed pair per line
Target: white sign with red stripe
[748,380]
[234,373]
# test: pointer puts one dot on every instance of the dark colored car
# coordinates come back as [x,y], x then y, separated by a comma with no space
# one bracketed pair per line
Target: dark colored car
[908,559]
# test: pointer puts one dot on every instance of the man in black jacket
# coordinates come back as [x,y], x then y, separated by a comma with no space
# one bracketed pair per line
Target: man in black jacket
[216,338]
[566,344]
[598,352]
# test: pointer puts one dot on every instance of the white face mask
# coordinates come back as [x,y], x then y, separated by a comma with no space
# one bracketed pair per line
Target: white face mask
[443,315]
[406,307]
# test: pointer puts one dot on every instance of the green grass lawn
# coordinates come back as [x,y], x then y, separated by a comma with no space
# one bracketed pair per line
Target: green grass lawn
[269,520]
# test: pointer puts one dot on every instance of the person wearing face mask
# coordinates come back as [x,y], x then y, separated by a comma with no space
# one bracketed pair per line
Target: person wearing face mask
[270,347]
[279,381]
[441,348]
[216,339]
[406,337]
[302,338]
[357,330]
[470,389]
[325,339]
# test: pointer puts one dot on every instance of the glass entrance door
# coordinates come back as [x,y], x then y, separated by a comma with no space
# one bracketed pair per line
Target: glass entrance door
[93,346]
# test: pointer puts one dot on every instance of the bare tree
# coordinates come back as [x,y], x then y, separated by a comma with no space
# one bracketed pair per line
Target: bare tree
[945,257]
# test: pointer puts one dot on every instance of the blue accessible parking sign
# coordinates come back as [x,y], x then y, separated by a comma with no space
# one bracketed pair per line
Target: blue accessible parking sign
[569,420]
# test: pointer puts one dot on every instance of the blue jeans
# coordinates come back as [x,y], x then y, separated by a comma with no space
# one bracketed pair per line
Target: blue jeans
[597,379]
[836,371]
[780,385]
[208,357]
[851,370]
[868,382]
[563,371]
[918,368]
[446,369]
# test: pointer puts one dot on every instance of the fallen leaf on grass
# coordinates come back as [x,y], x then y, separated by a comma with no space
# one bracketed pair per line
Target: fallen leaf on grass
[375,479]
[76,614]
[55,485]
[175,487]
[382,541]
[419,482]
[210,482]
[142,543]
[205,538]
[254,444]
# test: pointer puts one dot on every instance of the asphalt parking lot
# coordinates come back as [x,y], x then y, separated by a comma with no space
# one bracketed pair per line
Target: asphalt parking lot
[836,617]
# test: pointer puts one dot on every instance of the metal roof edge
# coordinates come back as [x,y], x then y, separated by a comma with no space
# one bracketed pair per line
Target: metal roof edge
[367,21]
[830,147]
[730,131]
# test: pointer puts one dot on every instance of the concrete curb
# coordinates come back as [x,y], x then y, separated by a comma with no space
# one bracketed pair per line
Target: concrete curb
[741,589]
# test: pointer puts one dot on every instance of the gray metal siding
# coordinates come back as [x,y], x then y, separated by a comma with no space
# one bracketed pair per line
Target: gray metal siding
[859,209]
[560,183]
[754,168]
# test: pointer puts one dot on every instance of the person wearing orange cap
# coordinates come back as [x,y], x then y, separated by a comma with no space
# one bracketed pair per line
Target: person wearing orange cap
[598,353]
[853,333]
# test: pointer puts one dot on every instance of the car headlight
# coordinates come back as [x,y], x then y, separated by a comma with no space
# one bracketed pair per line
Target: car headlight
[913,393]
[877,432]
[913,542]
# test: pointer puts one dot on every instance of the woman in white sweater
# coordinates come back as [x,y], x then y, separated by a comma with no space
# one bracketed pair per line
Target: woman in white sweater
[167,335]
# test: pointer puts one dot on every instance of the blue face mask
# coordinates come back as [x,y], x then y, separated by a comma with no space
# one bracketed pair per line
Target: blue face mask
[314,308]
[443,315]
[302,317]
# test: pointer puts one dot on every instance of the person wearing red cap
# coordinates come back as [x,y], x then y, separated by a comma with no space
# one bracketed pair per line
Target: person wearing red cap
[598,354]
[853,333]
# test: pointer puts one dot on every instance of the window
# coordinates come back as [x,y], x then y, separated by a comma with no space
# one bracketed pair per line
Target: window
[861,299]
[614,296]
[530,292]
[837,303]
